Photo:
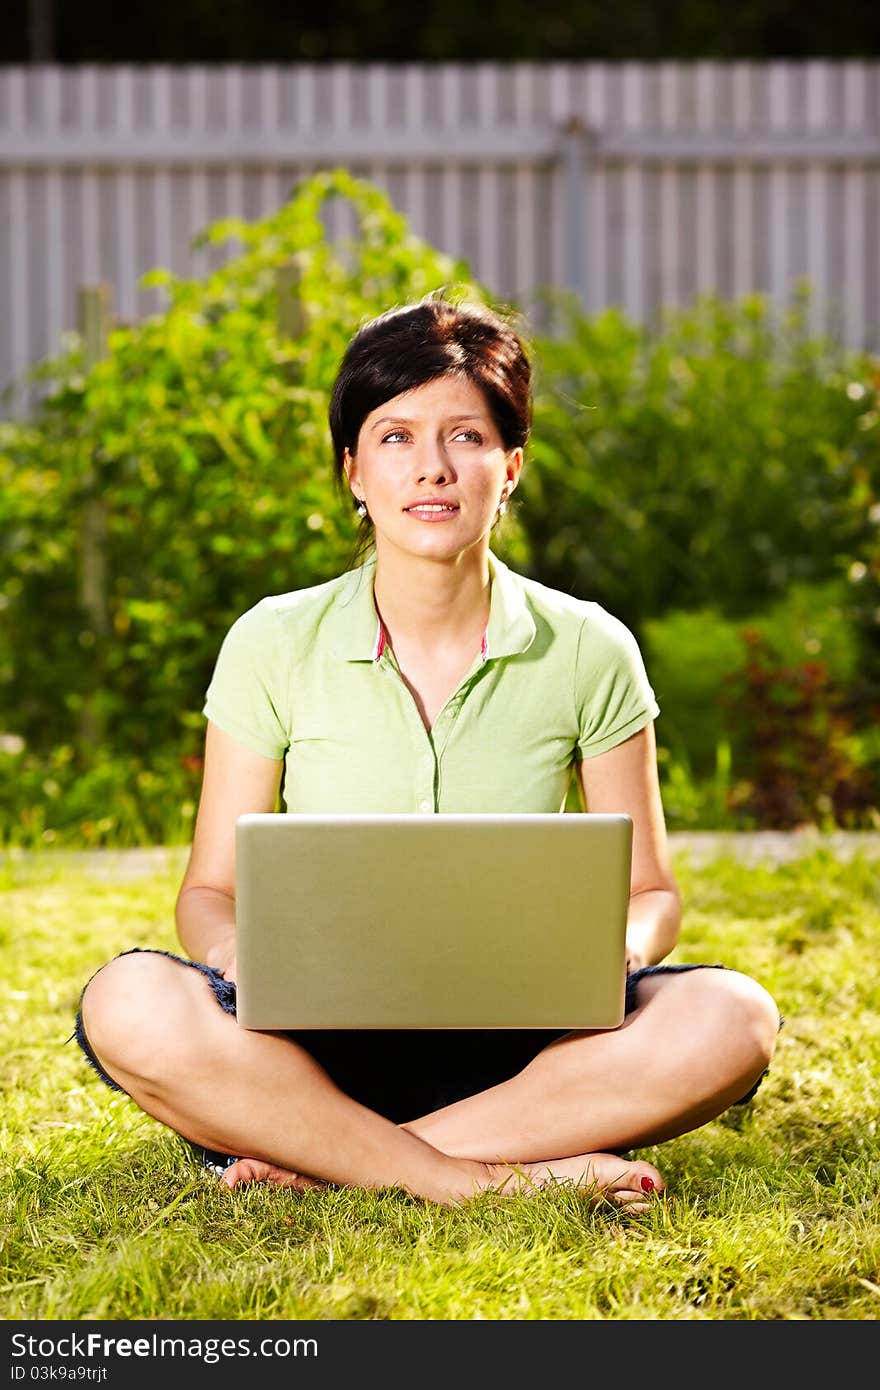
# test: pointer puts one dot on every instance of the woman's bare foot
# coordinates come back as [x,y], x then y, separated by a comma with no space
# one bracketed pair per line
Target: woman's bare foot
[605,1177]
[247,1170]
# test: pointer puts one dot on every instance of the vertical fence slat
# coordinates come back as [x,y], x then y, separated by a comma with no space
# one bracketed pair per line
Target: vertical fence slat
[55,286]
[635,249]
[854,257]
[160,186]
[818,117]
[705,251]
[269,121]
[872,239]
[743,192]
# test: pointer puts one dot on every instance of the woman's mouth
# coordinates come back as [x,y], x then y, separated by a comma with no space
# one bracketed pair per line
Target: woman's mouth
[433,511]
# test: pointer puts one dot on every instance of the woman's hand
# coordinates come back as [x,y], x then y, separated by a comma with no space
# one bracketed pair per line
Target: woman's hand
[634,959]
[222,957]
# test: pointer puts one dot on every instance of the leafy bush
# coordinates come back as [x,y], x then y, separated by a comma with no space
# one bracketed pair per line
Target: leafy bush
[716,475]
[203,435]
[801,756]
[763,720]
[61,799]
[717,461]
[720,472]
[695,657]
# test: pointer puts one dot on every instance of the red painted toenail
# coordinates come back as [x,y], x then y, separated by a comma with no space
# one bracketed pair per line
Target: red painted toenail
[647,1184]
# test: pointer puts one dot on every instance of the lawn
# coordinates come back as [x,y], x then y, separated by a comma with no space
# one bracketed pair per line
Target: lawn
[772,1211]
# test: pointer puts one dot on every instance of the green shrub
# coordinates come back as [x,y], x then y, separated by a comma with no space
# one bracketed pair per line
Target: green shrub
[695,656]
[62,800]
[763,720]
[715,462]
[203,434]
[801,751]
[719,473]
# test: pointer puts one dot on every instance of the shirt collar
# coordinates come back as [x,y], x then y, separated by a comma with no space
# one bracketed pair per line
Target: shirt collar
[359,635]
[511,627]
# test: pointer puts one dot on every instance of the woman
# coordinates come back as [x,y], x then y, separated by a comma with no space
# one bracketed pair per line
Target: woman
[366,694]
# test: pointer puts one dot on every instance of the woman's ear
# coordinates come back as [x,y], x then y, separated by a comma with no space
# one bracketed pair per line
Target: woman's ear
[514,468]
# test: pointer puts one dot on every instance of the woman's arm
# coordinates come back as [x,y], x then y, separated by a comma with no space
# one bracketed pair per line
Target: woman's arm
[235,781]
[625,780]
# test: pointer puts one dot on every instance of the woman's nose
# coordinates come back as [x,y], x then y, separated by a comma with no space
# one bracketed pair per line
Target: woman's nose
[432,475]
[433,465]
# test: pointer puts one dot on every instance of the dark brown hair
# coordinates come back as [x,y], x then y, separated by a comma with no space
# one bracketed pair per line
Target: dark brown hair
[412,344]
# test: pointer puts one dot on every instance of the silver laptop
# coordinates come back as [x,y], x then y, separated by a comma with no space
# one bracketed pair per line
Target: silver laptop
[442,921]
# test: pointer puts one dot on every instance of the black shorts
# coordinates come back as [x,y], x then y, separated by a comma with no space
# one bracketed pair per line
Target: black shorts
[436,1067]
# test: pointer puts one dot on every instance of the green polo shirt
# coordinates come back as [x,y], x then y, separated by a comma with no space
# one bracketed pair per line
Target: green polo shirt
[308,677]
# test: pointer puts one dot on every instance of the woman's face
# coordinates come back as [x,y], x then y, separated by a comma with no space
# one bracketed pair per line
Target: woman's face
[432,469]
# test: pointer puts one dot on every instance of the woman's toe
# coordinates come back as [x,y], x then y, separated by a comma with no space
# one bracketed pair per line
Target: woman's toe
[247,1170]
[628,1184]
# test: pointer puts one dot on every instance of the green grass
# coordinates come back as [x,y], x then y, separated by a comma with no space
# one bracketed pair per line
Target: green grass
[772,1212]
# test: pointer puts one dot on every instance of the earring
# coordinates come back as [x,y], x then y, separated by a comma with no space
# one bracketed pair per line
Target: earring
[361,509]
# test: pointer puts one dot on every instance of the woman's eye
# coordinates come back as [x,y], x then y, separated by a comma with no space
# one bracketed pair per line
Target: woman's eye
[470,436]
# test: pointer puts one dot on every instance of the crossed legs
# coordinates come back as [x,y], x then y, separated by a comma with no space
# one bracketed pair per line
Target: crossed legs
[695,1043]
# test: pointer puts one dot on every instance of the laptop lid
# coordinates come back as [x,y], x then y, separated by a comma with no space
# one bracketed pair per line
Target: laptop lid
[443,921]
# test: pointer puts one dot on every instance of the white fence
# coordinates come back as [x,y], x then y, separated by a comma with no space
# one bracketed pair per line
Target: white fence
[635,184]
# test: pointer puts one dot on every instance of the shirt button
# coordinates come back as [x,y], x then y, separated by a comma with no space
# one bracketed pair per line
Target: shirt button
[426,806]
